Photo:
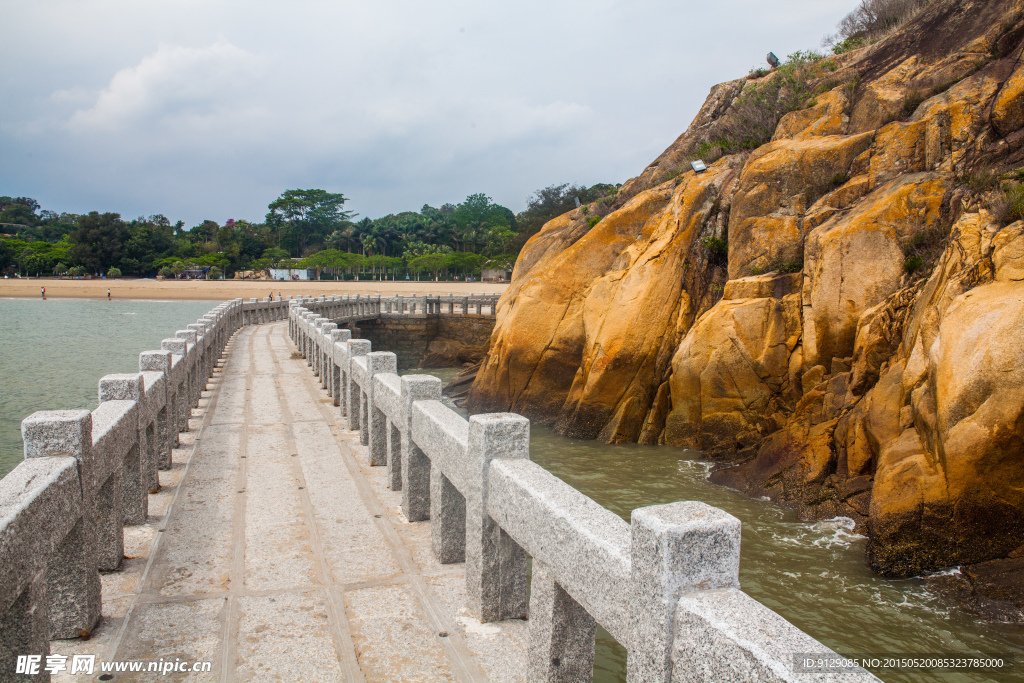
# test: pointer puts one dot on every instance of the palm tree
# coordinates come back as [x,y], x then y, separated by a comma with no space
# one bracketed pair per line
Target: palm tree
[360,230]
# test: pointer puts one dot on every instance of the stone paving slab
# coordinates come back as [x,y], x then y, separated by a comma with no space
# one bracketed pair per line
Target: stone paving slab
[275,552]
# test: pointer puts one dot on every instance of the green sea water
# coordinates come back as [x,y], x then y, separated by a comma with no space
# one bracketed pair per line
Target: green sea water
[53,353]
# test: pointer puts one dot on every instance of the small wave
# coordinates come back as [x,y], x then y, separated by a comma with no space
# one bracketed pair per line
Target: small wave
[827,533]
[705,465]
[950,571]
[842,532]
[701,467]
[914,598]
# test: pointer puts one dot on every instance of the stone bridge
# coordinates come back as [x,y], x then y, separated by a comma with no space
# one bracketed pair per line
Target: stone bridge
[405,325]
[229,513]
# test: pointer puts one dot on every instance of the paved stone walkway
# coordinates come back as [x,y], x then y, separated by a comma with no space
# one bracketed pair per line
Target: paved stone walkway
[276,553]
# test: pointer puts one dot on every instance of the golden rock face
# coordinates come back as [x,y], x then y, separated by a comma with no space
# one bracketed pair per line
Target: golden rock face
[574,338]
[778,182]
[772,311]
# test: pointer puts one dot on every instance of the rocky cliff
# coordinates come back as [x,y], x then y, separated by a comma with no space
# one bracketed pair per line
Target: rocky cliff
[837,314]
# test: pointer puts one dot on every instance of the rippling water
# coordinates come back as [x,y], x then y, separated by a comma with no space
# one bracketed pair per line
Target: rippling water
[813,574]
[53,353]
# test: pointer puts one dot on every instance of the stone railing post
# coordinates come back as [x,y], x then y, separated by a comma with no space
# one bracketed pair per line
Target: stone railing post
[318,348]
[562,633]
[219,334]
[204,339]
[326,353]
[676,549]
[311,340]
[314,344]
[356,348]
[337,337]
[374,419]
[314,347]
[495,564]
[210,332]
[40,505]
[138,468]
[195,368]
[415,471]
[307,331]
[167,419]
[73,575]
[447,516]
[179,347]
[303,326]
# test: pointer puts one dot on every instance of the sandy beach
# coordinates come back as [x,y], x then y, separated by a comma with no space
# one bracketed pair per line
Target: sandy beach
[219,290]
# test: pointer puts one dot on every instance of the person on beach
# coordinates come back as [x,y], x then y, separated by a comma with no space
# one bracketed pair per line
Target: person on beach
[108,294]
[42,292]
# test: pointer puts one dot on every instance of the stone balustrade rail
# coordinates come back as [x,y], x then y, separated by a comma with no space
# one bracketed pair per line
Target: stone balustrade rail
[86,475]
[665,585]
[346,308]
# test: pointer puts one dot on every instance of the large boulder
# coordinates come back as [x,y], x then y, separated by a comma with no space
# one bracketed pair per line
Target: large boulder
[731,373]
[947,482]
[855,260]
[778,182]
[947,490]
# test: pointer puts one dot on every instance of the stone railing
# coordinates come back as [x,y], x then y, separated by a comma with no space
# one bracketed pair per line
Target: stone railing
[85,476]
[345,308]
[665,585]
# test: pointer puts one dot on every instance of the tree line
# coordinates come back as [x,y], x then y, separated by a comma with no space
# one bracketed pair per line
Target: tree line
[302,228]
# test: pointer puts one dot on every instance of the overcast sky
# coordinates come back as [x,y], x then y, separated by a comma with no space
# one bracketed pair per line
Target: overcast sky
[211,108]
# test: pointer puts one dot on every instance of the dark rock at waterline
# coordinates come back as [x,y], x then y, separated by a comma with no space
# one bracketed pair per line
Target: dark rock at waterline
[458,388]
[451,353]
[992,590]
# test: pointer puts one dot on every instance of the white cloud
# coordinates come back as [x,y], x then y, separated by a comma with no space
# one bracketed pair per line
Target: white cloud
[211,109]
[178,86]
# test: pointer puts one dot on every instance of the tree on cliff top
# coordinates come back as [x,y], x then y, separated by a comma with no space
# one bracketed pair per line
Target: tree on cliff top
[554,200]
[872,18]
